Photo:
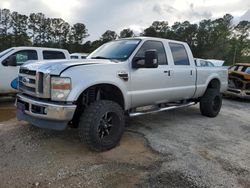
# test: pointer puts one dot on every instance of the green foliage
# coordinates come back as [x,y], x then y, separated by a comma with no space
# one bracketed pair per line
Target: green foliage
[125,33]
[37,30]
[213,39]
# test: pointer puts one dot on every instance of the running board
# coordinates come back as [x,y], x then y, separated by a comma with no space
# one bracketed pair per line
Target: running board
[134,114]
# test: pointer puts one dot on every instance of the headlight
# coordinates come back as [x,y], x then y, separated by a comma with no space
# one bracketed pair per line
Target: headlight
[60,88]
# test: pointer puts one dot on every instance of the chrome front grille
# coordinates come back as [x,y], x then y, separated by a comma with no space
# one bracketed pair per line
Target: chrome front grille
[34,83]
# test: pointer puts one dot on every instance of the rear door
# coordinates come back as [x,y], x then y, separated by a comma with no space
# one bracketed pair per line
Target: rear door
[183,73]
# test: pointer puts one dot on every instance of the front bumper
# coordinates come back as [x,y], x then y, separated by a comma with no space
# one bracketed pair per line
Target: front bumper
[44,114]
[244,94]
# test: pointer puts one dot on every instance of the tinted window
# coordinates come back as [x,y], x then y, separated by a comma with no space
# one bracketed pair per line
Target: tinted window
[153,45]
[73,57]
[24,55]
[53,55]
[179,54]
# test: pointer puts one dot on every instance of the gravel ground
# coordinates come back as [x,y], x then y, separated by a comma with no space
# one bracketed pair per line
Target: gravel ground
[177,148]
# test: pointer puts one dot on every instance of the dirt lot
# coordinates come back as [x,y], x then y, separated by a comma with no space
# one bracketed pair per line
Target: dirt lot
[178,148]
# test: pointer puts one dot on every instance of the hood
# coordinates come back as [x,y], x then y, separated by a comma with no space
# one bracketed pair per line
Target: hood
[56,67]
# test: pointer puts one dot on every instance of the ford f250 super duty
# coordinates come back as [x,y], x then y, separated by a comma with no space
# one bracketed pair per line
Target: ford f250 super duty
[127,77]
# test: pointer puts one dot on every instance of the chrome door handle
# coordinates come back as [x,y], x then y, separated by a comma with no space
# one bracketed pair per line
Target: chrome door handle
[167,72]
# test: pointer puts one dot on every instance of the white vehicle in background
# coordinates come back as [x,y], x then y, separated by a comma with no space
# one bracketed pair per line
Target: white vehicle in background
[216,62]
[78,55]
[203,63]
[12,58]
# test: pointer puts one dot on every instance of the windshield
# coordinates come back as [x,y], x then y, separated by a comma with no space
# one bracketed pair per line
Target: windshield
[118,50]
[5,52]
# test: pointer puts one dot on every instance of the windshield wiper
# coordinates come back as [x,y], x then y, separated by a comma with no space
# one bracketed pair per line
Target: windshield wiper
[99,57]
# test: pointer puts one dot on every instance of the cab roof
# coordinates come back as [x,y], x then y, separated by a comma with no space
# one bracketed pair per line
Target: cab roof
[40,48]
[153,38]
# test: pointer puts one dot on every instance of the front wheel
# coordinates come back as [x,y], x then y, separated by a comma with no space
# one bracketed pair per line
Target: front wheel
[101,125]
[210,103]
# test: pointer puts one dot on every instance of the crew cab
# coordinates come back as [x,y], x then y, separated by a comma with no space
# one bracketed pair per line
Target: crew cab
[126,77]
[12,58]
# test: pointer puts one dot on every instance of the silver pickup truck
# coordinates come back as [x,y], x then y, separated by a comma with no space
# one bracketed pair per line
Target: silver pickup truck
[122,78]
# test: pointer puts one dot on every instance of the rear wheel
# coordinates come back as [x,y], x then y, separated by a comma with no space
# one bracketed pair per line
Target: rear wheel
[210,103]
[102,125]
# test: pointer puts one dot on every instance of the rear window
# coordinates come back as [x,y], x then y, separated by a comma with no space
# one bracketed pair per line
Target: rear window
[53,55]
[73,57]
[179,54]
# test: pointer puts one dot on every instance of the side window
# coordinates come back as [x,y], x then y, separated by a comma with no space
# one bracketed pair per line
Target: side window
[25,55]
[153,45]
[202,63]
[179,54]
[73,57]
[210,64]
[53,55]
[247,70]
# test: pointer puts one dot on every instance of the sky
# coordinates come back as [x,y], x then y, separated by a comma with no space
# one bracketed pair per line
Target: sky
[101,15]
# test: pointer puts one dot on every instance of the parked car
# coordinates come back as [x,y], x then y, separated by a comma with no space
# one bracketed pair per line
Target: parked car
[203,63]
[12,58]
[239,80]
[216,62]
[117,79]
[78,55]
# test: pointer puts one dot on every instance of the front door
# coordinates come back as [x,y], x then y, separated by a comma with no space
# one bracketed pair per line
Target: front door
[150,85]
[9,74]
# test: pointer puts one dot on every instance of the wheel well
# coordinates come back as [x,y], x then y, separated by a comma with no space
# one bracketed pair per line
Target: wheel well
[94,93]
[214,84]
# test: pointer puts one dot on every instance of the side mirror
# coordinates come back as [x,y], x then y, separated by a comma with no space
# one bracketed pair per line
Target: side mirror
[12,61]
[149,61]
[5,62]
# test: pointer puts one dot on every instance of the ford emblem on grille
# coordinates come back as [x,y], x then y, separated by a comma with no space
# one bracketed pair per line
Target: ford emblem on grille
[25,80]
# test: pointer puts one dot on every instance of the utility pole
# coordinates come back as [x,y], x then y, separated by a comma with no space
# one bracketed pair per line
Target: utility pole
[234,55]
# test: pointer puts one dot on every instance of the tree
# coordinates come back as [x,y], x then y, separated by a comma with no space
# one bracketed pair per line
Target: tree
[79,33]
[241,42]
[157,29]
[184,31]
[5,21]
[40,29]
[19,24]
[214,38]
[108,36]
[125,33]
[5,25]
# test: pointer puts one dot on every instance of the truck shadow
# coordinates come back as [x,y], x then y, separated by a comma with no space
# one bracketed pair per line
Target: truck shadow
[236,99]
